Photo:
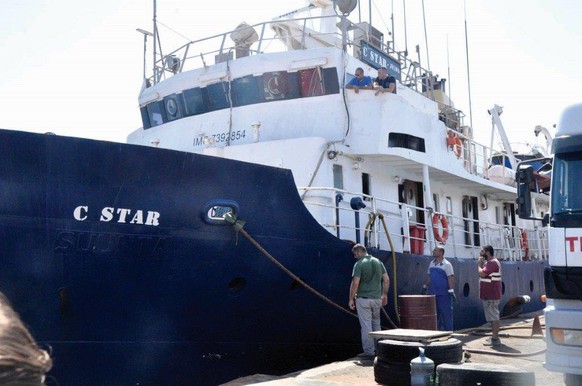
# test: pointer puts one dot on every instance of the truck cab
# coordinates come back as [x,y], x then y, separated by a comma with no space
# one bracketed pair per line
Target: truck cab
[563,277]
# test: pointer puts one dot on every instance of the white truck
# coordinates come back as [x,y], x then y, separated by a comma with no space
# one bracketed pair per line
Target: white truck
[563,277]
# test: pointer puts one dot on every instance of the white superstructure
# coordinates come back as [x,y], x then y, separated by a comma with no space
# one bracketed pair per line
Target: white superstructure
[274,94]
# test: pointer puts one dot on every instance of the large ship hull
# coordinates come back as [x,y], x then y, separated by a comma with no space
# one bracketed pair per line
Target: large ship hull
[110,258]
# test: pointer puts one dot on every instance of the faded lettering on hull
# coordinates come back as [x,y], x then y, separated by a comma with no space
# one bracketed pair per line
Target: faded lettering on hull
[111,245]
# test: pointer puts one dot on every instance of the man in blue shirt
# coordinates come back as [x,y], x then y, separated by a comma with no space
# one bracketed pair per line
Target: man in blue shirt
[360,81]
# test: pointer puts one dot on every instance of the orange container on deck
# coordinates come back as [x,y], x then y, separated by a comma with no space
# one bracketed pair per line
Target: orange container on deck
[417,239]
[417,312]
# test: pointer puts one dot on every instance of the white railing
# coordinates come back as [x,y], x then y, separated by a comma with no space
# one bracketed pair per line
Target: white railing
[410,235]
[274,36]
[478,159]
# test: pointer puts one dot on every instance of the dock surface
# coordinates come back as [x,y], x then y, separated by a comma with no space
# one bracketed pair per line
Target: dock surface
[519,348]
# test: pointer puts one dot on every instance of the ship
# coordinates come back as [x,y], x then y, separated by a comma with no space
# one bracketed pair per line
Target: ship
[216,243]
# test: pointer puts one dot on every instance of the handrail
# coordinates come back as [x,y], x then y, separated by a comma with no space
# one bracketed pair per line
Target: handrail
[218,45]
[506,239]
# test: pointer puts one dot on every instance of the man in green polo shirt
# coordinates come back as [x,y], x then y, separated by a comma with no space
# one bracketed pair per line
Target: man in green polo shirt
[368,293]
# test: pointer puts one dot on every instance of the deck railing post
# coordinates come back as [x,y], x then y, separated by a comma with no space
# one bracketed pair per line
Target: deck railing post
[405,227]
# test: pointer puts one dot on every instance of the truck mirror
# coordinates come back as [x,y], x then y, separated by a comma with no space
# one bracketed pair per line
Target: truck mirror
[546,220]
[524,174]
[524,178]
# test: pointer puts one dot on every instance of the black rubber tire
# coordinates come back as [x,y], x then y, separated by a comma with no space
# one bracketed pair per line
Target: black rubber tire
[449,351]
[573,379]
[396,351]
[483,374]
[391,374]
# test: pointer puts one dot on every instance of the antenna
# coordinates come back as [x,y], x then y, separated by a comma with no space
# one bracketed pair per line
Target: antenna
[145,45]
[370,12]
[157,46]
[405,34]
[449,69]
[155,41]
[425,38]
[392,19]
[468,72]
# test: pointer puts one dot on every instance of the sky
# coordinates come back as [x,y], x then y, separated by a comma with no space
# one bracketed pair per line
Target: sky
[75,67]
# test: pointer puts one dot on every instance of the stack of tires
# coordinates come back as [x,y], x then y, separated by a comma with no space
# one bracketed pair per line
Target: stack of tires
[392,363]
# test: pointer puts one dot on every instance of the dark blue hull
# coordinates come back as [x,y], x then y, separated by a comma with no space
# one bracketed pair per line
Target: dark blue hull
[109,257]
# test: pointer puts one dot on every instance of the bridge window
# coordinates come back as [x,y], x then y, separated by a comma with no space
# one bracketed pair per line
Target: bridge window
[155,113]
[243,91]
[406,141]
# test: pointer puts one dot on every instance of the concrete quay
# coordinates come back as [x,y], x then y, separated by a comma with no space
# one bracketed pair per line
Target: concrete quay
[520,347]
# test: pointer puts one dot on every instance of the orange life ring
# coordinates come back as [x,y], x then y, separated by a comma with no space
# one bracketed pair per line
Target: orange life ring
[435,222]
[523,244]
[454,143]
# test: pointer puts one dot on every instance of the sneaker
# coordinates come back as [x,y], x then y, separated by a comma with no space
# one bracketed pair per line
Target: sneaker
[366,356]
[492,342]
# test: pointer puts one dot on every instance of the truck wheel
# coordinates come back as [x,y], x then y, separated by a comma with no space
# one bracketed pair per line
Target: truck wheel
[573,379]
[391,374]
[483,374]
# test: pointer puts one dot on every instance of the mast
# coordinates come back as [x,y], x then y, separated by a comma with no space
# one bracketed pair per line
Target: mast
[145,46]
[158,72]
[392,32]
[468,72]
[370,12]
[449,70]
[425,38]
[405,34]
[155,42]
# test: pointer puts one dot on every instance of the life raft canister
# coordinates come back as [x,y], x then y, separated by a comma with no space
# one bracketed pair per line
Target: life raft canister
[441,238]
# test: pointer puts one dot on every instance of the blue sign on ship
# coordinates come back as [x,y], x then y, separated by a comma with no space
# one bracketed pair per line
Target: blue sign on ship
[377,59]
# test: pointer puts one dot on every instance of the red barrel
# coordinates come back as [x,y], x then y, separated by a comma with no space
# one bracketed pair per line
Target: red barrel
[418,312]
